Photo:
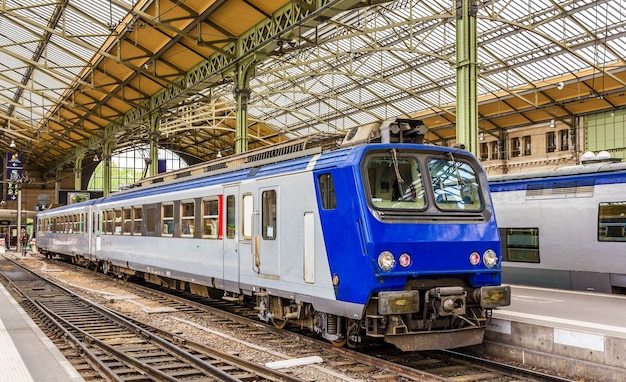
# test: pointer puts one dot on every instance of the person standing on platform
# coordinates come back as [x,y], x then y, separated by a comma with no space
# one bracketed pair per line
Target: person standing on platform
[23,241]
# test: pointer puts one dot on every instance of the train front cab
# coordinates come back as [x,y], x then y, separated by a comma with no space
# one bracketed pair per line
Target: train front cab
[430,246]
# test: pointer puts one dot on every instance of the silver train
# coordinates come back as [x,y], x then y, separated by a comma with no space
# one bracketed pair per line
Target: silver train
[564,228]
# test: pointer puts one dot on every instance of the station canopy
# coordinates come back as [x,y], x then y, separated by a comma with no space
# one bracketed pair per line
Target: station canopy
[76,75]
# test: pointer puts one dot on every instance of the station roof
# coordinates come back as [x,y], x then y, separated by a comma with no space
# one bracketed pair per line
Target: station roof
[75,74]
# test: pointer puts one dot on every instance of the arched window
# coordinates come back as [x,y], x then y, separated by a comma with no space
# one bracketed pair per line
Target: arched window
[129,166]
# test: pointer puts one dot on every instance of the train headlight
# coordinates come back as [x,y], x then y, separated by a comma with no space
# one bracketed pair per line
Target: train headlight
[490,258]
[404,260]
[386,261]
[474,258]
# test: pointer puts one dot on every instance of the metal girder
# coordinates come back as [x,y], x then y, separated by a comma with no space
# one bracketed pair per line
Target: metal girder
[214,69]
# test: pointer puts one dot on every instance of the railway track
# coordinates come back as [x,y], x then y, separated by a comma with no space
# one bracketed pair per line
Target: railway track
[120,350]
[213,316]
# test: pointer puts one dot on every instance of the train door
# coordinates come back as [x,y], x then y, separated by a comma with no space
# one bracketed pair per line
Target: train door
[265,233]
[231,240]
[95,229]
[88,229]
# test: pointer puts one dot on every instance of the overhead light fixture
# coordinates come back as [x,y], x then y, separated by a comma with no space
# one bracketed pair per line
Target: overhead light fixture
[560,85]
[12,145]
[95,158]
[481,136]
[219,153]
[552,123]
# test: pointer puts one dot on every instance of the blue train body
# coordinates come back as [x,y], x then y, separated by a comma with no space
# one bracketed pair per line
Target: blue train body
[379,241]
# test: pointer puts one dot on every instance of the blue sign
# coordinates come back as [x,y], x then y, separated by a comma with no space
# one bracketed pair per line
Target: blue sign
[14,160]
[15,166]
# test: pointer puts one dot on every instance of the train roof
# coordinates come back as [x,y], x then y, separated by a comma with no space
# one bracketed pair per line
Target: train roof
[282,159]
[593,168]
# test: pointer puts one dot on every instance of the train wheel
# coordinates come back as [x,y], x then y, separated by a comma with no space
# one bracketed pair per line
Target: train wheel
[339,343]
[278,323]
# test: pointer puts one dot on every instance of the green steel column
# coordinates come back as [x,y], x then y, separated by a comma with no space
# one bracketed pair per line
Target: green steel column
[242,75]
[466,75]
[155,125]
[58,175]
[78,171]
[106,170]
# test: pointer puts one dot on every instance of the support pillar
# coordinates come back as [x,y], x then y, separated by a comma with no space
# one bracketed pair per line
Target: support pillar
[155,125]
[57,185]
[78,171]
[242,75]
[467,75]
[106,168]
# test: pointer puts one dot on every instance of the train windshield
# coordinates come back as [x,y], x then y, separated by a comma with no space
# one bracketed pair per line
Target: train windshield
[455,185]
[396,181]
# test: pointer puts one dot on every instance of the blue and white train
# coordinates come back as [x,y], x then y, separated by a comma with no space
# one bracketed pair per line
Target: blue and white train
[564,228]
[391,241]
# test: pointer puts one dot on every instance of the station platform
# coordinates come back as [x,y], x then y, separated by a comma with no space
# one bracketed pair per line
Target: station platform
[26,353]
[580,334]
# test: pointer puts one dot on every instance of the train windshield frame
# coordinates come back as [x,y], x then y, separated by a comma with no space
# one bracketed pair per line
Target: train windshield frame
[411,181]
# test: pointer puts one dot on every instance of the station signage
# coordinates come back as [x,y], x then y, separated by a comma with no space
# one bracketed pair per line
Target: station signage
[14,170]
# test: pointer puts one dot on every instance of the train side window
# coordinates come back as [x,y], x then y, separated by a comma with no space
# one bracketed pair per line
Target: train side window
[268,214]
[612,221]
[108,221]
[151,221]
[188,218]
[327,191]
[137,219]
[210,218]
[118,221]
[167,219]
[520,244]
[128,222]
[246,216]
[230,217]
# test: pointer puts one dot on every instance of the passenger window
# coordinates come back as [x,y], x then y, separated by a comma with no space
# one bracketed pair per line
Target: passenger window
[167,219]
[210,218]
[612,221]
[327,191]
[151,221]
[246,216]
[188,218]
[128,222]
[268,215]
[520,244]
[109,222]
[118,221]
[230,217]
[137,219]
